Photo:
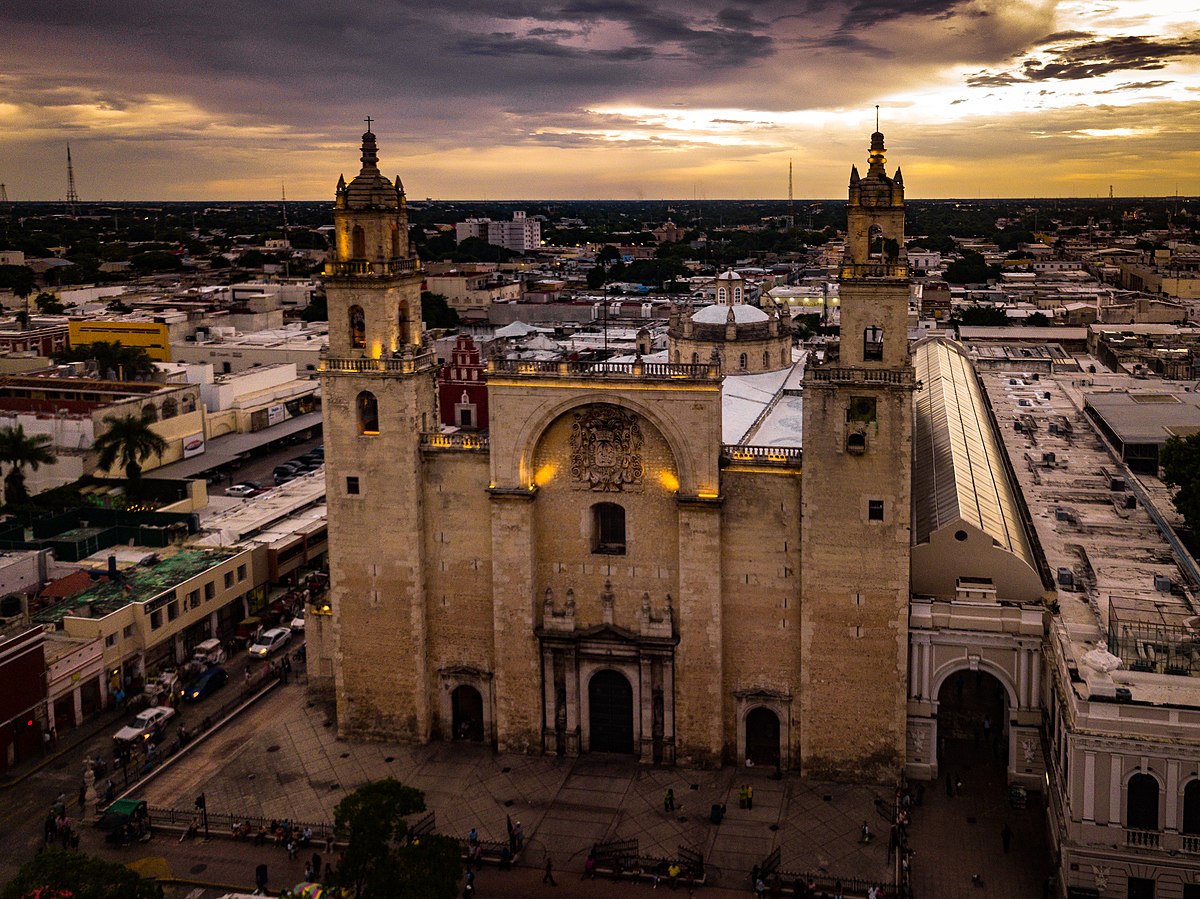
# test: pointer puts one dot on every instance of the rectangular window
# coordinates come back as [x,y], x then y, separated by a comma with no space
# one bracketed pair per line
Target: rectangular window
[110,640]
[609,529]
[352,486]
[172,611]
[875,509]
[228,579]
[241,572]
[1141,888]
[127,631]
[210,590]
[156,619]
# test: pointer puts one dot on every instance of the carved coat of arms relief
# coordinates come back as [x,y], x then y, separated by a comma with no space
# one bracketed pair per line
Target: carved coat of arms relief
[606,450]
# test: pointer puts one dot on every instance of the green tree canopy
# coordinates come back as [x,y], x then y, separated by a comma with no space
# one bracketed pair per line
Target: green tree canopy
[57,874]
[970,269]
[156,261]
[985,316]
[130,441]
[20,279]
[436,311]
[1180,461]
[49,304]
[381,861]
[21,450]
[127,362]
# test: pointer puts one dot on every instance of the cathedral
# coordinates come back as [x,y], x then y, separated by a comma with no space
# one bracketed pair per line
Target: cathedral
[701,558]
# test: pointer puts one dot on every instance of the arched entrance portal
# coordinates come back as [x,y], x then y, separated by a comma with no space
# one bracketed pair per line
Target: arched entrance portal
[610,712]
[762,737]
[467,713]
[972,726]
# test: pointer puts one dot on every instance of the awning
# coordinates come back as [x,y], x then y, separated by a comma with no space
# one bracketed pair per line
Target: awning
[222,450]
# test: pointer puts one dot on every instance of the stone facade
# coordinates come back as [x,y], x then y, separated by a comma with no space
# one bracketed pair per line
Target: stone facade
[598,572]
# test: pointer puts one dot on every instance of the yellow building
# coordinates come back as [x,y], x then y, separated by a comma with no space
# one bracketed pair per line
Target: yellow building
[151,336]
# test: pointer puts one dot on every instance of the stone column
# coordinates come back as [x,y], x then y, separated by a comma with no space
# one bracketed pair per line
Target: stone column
[518,702]
[645,698]
[699,669]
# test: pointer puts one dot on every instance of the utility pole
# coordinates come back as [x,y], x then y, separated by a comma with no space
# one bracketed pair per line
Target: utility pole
[72,195]
[791,213]
[287,243]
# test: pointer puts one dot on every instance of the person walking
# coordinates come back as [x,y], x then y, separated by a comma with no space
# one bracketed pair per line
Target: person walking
[1006,836]
[749,797]
[548,877]
[669,800]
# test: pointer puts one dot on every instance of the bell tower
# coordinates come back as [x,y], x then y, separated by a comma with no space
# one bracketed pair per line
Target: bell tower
[856,502]
[379,395]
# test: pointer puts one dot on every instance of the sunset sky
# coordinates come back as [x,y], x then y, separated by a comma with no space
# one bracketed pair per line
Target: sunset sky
[603,99]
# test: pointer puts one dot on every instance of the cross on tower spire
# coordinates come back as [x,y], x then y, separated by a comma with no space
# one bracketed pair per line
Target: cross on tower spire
[369,120]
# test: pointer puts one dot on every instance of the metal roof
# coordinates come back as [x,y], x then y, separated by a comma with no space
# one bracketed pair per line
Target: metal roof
[958,466]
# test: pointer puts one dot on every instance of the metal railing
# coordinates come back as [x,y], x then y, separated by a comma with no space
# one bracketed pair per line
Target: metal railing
[360,365]
[789,456]
[664,371]
[891,271]
[475,442]
[222,824]
[862,375]
[1143,839]
[378,268]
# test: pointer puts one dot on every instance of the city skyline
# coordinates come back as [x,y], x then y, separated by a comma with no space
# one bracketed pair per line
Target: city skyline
[601,99]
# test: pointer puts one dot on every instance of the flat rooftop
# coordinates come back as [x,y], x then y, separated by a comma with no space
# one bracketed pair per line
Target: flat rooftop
[1147,416]
[158,572]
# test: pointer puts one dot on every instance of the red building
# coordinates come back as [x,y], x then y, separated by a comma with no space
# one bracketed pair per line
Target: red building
[45,340]
[462,387]
[23,699]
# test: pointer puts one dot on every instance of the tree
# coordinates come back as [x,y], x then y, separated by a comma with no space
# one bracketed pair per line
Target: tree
[317,310]
[129,441]
[596,277]
[57,874]
[436,311]
[156,261]
[970,269]
[1037,320]
[1180,461]
[20,279]
[608,254]
[49,304]
[19,450]
[125,362]
[381,860]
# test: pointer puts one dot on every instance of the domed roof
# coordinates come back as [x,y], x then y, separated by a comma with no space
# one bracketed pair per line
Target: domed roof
[718,314]
[730,275]
[370,189]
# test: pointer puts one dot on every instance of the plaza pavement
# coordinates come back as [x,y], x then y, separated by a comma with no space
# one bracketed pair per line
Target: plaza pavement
[281,759]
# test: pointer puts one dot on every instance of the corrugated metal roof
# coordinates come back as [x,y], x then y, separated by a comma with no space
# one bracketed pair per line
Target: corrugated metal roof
[958,469]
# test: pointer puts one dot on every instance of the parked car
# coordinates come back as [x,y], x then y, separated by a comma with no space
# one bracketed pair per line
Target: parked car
[209,682]
[270,641]
[298,621]
[145,724]
[243,490]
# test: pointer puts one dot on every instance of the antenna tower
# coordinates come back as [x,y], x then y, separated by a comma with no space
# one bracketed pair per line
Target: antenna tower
[791,215]
[72,196]
[3,196]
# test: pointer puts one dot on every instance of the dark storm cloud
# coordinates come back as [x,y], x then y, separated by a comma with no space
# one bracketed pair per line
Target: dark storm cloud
[1094,58]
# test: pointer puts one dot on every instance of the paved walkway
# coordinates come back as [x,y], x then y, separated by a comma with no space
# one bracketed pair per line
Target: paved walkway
[282,760]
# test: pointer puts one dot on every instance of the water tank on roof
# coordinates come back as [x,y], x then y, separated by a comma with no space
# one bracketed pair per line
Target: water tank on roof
[1162,583]
[1066,578]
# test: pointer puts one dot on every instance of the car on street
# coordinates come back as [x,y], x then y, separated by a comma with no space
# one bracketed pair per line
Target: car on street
[208,682]
[270,641]
[298,621]
[145,724]
[243,490]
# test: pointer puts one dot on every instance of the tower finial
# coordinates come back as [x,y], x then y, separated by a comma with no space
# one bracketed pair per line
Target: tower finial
[876,117]
[369,120]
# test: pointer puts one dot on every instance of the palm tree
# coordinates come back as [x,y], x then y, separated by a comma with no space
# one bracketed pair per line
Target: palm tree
[130,441]
[19,449]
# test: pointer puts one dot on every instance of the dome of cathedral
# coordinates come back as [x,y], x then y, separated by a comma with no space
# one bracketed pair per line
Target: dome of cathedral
[718,314]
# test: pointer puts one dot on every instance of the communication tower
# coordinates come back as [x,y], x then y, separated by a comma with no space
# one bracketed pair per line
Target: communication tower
[72,195]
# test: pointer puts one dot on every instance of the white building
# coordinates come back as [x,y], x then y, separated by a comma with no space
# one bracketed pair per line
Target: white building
[520,235]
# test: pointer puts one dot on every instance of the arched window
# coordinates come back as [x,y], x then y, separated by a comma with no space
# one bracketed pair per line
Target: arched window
[368,414]
[742,361]
[695,358]
[608,529]
[678,357]
[395,242]
[737,294]
[721,295]
[358,243]
[873,344]
[1143,803]
[358,328]
[402,316]
[875,242]
[1191,807]
[149,412]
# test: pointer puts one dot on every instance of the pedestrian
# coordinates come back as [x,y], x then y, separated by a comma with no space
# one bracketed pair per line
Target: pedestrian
[316,863]
[329,841]
[749,797]
[548,877]
[246,679]
[760,888]
[669,800]
[519,834]
[308,872]
[1006,836]
[50,828]
[285,666]
[742,796]
[866,832]
[472,837]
